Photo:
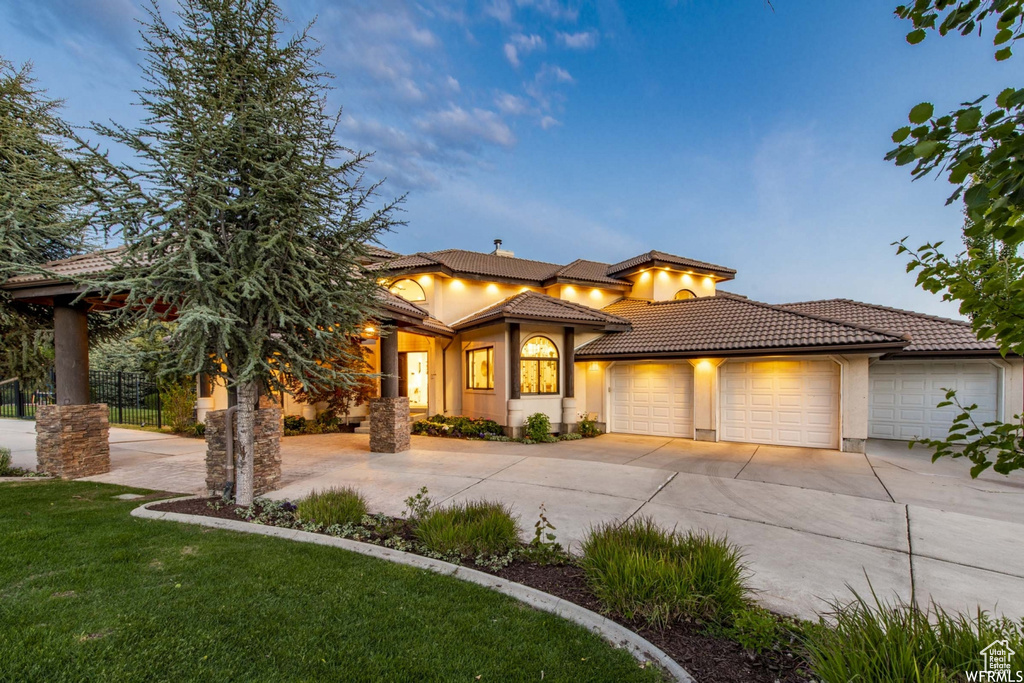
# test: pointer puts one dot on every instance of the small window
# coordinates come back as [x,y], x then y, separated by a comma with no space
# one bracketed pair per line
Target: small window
[480,368]
[205,386]
[538,366]
[409,290]
[685,294]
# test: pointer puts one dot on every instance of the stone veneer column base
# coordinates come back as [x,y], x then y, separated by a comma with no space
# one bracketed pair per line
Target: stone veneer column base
[854,445]
[705,435]
[73,441]
[266,459]
[389,425]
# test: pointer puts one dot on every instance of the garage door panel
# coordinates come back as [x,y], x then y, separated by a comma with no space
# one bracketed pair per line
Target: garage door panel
[904,396]
[654,398]
[782,402]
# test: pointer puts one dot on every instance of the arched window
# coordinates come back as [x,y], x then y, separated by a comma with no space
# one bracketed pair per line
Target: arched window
[538,366]
[685,294]
[409,290]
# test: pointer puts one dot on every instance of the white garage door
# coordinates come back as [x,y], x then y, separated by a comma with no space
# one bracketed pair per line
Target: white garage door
[904,394]
[650,398]
[792,403]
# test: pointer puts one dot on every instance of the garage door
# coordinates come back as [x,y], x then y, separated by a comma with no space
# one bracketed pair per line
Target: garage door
[650,398]
[792,403]
[904,394]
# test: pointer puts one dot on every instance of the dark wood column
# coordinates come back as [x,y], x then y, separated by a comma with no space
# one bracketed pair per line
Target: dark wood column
[389,364]
[569,366]
[71,352]
[514,351]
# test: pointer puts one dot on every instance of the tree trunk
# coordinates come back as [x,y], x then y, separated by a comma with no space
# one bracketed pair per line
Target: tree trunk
[246,444]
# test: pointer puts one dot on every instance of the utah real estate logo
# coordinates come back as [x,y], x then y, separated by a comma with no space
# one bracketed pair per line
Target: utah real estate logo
[997,665]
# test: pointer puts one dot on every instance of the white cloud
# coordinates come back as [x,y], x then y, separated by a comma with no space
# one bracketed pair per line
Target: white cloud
[500,10]
[582,40]
[510,104]
[521,44]
[549,122]
[453,84]
[551,8]
[466,129]
[553,73]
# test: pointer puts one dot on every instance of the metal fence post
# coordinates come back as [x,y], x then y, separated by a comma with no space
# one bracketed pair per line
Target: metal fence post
[120,399]
[19,401]
[159,409]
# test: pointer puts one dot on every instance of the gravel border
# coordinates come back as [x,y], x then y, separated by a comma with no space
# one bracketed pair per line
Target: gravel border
[618,636]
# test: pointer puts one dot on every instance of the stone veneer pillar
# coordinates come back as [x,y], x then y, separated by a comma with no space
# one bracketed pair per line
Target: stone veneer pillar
[72,440]
[389,424]
[266,459]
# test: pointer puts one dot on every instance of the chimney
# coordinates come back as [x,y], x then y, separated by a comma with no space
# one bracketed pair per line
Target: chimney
[498,251]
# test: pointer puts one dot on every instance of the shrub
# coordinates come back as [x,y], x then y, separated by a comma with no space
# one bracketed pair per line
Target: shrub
[569,436]
[900,641]
[179,402]
[641,570]
[587,427]
[537,427]
[472,529]
[198,429]
[458,426]
[295,423]
[333,506]
[418,505]
[5,461]
[754,628]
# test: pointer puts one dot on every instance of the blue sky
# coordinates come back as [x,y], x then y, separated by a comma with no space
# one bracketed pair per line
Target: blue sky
[718,130]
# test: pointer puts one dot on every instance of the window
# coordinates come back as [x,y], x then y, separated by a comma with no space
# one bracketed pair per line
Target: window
[205,386]
[538,366]
[480,368]
[409,290]
[685,294]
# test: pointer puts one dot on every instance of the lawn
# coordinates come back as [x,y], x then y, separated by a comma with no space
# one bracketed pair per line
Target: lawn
[89,593]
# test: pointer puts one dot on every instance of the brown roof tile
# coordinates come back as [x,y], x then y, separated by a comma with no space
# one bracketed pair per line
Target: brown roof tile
[661,257]
[536,306]
[83,264]
[586,271]
[928,333]
[726,325]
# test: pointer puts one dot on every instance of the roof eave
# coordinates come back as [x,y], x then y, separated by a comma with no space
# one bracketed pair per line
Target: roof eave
[722,275]
[924,354]
[624,286]
[582,355]
[500,317]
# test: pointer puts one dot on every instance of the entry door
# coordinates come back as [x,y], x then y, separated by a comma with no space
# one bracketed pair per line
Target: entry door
[652,398]
[416,378]
[790,403]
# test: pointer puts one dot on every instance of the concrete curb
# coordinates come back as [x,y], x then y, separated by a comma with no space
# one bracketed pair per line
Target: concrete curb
[6,479]
[615,634]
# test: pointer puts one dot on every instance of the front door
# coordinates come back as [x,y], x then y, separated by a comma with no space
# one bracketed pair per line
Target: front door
[412,377]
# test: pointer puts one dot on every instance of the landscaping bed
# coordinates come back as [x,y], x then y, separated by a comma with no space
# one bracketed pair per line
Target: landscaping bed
[709,657]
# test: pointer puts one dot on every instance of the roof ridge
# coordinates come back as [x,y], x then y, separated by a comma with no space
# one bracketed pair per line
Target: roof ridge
[893,309]
[498,304]
[814,316]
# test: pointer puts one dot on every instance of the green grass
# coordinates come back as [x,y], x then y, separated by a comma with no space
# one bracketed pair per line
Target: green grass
[891,642]
[332,506]
[473,528]
[641,570]
[89,593]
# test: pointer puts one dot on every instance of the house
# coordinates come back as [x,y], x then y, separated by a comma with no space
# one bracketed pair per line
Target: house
[652,345]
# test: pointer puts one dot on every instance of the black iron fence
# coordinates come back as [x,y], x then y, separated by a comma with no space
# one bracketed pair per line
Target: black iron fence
[133,398]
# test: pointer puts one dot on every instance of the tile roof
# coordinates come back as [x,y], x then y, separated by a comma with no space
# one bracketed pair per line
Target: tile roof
[728,325]
[381,252]
[536,306]
[587,271]
[654,256]
[928,333]
[83,264]
[397,304]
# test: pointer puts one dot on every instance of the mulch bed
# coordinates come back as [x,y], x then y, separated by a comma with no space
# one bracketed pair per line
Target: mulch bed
[707,658]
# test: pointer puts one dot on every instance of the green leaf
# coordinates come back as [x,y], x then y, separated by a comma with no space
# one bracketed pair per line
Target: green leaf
[925,149]
[901,134]
[968,120]
[1003,98]
[1004,54]
[1002,36]
[976,196]
[915,36]
[921,112]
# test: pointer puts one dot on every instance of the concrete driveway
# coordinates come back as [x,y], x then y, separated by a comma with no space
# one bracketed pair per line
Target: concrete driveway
[810,521]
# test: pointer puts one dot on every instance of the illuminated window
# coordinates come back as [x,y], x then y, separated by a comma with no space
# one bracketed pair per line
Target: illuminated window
[409,290]
[685,294]
[205,386]
[538,366]
[480,368]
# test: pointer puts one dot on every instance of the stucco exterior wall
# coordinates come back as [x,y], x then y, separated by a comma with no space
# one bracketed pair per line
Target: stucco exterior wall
[662,285]
[487,403]
[855,385]
[705,398]
[1013,387]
